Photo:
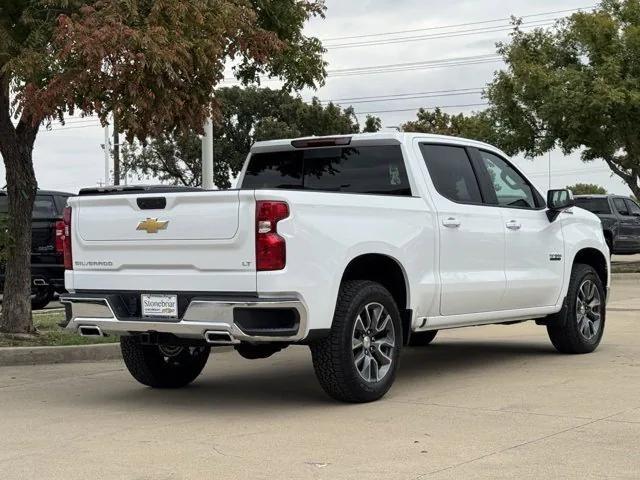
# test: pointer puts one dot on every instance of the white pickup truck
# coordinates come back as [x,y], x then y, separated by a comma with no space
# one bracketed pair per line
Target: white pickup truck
[353,245]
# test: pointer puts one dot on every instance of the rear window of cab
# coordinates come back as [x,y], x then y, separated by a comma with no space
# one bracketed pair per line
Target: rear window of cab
[378,170]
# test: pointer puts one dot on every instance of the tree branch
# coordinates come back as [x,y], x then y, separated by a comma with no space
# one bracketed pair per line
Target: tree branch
[7,130]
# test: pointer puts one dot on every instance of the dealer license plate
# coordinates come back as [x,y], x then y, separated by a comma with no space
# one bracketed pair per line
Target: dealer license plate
[159,305]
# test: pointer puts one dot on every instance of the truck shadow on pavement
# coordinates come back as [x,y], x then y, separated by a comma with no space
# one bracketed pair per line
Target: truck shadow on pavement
[263,385]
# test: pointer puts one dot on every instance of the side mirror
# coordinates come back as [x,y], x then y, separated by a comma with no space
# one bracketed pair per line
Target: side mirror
[557,201]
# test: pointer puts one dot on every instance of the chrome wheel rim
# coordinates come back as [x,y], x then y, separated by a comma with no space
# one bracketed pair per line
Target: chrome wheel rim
[372,342]
[588,310]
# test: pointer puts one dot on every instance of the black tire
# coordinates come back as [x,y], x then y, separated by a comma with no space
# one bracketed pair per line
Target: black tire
[41,298]
[333,357]
[151,367]
[421,339]
[565,332]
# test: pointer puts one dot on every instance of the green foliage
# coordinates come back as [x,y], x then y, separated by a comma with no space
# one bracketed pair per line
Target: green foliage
[587,189]
[372,124]
[153,62]
[247,115]
[476,126]
[576,86]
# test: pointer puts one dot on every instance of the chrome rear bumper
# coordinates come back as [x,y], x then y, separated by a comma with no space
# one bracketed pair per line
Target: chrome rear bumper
[202,317]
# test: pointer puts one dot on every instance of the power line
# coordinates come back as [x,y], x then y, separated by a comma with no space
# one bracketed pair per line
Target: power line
[415,109]
[414,97]
[483,22]
[400,94]
[443,35]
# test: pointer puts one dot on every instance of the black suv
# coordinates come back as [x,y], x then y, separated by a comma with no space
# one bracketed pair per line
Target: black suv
[620,218]
[47,260]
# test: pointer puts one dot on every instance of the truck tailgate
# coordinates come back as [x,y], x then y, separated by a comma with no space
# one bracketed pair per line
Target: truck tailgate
[178,241]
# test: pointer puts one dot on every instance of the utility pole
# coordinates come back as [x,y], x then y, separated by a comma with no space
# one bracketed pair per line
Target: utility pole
[116,151]
[207,156]
[106,149]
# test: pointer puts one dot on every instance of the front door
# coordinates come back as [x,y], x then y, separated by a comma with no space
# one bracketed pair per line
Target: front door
[534,246]
[472,238]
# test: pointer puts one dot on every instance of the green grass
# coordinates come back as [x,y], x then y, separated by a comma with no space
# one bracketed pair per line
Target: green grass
[50,334]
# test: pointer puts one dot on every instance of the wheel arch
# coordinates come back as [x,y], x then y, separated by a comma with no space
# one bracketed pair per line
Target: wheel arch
[596,259]
[389,272]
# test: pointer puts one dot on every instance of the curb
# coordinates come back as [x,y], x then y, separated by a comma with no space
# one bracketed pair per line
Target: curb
[626,276]
[67,354]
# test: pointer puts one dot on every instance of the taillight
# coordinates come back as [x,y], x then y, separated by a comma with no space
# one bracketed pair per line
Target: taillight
[66,238]
[271,249]
[60,236]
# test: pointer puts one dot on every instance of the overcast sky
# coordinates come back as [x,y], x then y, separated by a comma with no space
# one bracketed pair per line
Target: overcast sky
[71,157]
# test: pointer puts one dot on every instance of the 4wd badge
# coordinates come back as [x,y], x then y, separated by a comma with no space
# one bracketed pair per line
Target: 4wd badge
[152,225]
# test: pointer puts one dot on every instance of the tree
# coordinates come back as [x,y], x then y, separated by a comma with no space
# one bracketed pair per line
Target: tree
[154,64]
[576,86]
[475,126]
[587,189]
[247,115]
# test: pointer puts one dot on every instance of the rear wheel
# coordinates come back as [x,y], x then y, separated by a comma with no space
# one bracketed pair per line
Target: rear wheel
[582,327]
[357,362]
[41,298]
[163,366]
[421,339]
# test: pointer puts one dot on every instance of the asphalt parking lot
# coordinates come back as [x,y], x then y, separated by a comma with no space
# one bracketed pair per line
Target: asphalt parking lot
[484,402]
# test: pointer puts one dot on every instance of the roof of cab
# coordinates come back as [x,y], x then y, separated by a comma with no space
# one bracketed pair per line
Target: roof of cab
[373,138]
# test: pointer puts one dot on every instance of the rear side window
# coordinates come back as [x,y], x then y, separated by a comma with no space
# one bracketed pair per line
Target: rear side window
[43,207]
[633,207]
[451,171]
[374,170]
[594,205]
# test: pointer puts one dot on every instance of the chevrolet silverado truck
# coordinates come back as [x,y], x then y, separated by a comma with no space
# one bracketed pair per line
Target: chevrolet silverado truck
[353,245]
[620,217]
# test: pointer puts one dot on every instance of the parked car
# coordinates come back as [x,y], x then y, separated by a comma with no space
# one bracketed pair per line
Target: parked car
[353,245]
[620,218]
[47,260]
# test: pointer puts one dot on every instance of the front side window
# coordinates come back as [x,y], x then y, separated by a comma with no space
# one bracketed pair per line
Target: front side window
[633,207]
[376,170]
[621,207]
[512,190]
[451,172]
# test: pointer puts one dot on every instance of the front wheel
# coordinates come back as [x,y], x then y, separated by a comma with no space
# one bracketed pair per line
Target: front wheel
[163,366]
[581,327]
[357,362]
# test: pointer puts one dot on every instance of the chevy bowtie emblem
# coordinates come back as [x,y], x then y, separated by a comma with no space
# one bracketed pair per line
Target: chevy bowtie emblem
[152,225]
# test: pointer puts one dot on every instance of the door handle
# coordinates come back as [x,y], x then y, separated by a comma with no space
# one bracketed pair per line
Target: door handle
[513,225]
[451,222]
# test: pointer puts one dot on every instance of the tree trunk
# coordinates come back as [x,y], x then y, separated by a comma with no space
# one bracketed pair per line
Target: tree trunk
[16,146]
[21,189]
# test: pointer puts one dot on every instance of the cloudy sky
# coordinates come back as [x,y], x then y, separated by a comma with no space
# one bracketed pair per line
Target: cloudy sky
[444,56]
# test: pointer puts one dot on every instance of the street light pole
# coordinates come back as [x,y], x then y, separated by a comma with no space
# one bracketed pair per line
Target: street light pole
[106,154]
[207,156]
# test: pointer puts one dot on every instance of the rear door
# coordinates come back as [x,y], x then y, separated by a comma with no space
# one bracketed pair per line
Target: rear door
[472,236]
[534,246]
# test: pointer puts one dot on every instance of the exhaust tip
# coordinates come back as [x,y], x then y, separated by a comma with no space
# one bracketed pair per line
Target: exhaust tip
[90,331]
[213,337]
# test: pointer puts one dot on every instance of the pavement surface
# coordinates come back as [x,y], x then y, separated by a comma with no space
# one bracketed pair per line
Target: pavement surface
[483,402]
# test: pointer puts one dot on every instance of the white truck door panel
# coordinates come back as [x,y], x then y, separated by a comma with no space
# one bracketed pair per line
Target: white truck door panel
[471,234]
[534,246]
[534,259]
[471,259]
